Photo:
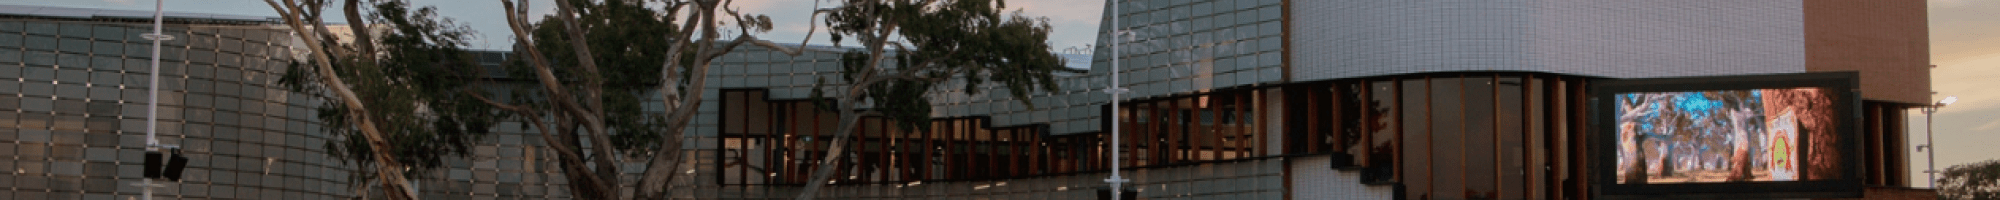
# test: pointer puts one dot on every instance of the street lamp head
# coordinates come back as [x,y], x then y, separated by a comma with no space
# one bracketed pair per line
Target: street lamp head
[1947,101]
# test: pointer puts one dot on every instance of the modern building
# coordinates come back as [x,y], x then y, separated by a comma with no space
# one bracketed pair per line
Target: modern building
[73,92]
[1231,99]
[1280,99]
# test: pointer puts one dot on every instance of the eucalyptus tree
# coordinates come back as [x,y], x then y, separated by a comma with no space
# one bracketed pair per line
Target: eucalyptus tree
[590,64]
[393,105]
[930,42]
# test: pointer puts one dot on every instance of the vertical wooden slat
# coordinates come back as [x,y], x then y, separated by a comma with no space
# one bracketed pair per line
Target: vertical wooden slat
[1243,124]
[1214,129]
[1312,135]
[1366,155]
[1527,137]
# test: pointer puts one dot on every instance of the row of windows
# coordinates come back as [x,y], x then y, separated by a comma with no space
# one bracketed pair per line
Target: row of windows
[783,142]
[1441,135]
[1445,135]
[779,142]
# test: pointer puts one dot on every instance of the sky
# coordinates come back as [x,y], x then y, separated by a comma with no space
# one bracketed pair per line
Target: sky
[1965,46]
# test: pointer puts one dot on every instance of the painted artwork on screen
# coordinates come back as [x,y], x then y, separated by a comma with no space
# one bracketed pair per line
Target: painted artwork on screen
[1753,135]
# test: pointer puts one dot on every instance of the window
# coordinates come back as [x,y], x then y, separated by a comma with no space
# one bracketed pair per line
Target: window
[1417,136]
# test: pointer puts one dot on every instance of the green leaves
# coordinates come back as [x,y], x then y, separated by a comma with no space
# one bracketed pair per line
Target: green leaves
[627,42]
[413,88]
[967,40]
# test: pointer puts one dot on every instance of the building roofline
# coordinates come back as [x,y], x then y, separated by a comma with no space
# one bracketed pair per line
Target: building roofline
[93,14]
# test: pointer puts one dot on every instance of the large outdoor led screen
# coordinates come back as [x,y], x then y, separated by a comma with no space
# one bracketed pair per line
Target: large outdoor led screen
[1767,135]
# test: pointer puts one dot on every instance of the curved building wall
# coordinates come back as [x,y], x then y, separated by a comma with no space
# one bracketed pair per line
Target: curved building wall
[1615,39]
[73,97]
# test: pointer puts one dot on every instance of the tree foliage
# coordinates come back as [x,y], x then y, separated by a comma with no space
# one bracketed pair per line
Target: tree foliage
[592,60]
[912,47]
[628,41]
[393,109]
[412,90]
[1979,180]
[934,41]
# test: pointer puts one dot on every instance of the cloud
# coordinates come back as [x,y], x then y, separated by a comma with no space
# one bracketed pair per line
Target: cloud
[1947,3]
[1988,126]
[1971,80]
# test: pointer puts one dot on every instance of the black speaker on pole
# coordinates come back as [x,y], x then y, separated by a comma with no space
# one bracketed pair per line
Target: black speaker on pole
[1105,194]
[174,166]
[153,161]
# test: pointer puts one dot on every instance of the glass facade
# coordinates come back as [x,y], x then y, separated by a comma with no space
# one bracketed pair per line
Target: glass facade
[73,113]
[1445,135]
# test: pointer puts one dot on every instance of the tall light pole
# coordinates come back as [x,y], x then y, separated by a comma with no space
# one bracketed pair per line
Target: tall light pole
[1928,142]
[153,97]
[1117,36]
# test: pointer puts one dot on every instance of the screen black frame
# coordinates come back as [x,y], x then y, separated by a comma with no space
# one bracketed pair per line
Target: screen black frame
[1603,133]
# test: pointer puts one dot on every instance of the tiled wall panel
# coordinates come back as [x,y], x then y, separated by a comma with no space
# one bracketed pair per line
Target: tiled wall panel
[73,98]
[1614,39]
